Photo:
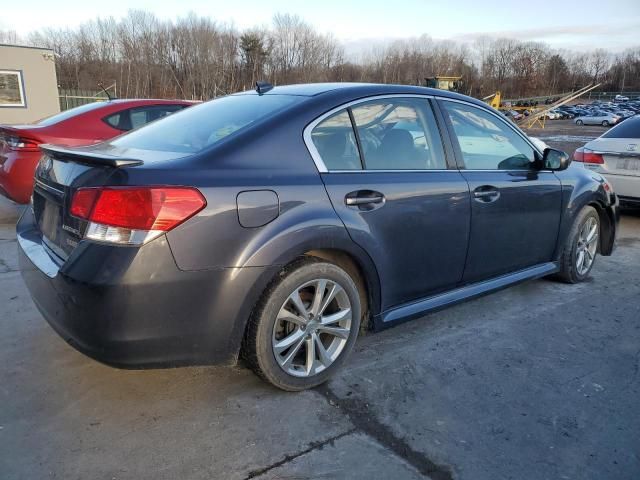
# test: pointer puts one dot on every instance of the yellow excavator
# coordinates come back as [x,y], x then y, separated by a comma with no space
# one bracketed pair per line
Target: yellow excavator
[493,100]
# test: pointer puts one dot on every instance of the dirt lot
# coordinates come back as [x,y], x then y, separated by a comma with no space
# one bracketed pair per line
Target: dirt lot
[565,135]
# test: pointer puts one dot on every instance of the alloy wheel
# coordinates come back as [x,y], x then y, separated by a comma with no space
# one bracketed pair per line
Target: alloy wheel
[587,246]
[312,328]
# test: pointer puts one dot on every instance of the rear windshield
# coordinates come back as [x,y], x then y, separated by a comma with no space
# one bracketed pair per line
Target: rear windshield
[67,114]
[196,128]
[630,128]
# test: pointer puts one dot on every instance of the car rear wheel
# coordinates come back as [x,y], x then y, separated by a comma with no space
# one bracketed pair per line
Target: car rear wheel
[579,122]
[605,123]
[581,247]
[305,326]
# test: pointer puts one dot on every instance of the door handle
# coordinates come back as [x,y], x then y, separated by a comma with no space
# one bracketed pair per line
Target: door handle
[486,194]
[364,199]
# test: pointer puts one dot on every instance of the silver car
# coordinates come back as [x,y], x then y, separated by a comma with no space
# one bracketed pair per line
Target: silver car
[598,118]
[616,155]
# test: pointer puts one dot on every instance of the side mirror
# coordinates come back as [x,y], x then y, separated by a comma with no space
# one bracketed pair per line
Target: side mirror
[553,159]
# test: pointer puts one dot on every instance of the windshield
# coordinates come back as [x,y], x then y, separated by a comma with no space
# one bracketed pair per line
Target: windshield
[196,128]
[67,114]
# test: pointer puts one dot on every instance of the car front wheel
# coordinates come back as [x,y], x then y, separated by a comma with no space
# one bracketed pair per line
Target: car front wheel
[579,122]
[305,325]
[605,123]
[581,247]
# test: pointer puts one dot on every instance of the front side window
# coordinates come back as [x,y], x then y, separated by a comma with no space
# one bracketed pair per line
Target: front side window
[398,134]
[487,142]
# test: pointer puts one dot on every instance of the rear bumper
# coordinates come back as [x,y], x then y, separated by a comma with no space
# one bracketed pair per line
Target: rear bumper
[133,308]
[16,175]
[627,187]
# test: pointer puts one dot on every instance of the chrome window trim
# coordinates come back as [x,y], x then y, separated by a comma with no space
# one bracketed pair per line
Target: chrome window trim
[48,188]
[313,151]
[509,124]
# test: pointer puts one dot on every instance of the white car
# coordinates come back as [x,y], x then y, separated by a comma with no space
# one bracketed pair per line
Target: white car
[598,118]
[621,98]
[616,155]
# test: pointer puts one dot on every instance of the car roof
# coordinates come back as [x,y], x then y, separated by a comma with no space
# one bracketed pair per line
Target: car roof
[146,101]
[358,90]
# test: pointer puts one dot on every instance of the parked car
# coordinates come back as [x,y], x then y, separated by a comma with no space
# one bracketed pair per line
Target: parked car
[87,124]
[616,155]
[621,98]
[513,115]
[551,115]
[562,114]
[273,224]
[597,118]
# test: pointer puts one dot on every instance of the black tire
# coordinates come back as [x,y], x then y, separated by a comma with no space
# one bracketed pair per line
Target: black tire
[258,349]
[579,122]
[569,271]
[605,123]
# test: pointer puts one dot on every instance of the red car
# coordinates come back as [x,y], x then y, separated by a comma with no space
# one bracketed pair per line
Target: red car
[84,125]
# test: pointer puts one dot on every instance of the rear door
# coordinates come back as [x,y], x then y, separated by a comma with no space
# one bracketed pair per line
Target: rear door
[515,208]
[384,168]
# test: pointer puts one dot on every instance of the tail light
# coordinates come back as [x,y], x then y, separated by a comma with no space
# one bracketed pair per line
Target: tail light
[21,143]
[134,215]
[588,156]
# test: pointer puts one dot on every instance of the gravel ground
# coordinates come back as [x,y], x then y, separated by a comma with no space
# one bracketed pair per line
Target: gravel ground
[565,135]
[537,381]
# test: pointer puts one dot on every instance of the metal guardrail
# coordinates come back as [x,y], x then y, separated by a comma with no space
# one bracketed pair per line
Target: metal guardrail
[609,96]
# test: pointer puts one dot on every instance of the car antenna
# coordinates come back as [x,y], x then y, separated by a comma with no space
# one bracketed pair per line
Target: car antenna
[105,91]
[263,87]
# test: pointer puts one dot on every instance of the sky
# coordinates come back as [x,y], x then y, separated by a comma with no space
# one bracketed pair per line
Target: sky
[567,24]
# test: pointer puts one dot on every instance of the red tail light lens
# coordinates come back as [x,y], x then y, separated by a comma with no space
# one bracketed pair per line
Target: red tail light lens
[21,143]
[587,156]
[137,208]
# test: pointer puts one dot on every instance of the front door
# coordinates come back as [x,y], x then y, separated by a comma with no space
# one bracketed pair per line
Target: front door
[389,182]
[515,206]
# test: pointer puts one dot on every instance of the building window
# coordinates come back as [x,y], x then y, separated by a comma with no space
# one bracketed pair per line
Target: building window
[11,89]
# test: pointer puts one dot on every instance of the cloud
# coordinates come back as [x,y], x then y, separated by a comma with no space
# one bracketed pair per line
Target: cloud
[558,32]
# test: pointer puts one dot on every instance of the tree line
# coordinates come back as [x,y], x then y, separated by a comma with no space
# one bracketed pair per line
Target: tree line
[198,58]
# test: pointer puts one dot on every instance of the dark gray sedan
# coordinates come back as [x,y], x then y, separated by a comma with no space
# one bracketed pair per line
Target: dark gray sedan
[276,224]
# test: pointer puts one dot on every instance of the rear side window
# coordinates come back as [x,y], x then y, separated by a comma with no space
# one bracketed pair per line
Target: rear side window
[197,128]
[385,134]
[486,141]
[336,143]
[399,134]
[630,128]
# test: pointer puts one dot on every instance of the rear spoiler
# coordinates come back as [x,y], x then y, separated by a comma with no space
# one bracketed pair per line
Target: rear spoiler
[88,157]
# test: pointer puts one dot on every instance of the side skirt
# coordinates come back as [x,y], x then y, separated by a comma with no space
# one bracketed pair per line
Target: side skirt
[418,308]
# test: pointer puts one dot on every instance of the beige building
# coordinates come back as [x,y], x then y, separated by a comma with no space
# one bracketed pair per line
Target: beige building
[28,84]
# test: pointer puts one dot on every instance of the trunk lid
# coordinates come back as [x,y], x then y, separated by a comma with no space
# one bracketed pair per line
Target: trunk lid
[621,155]
[59,172]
